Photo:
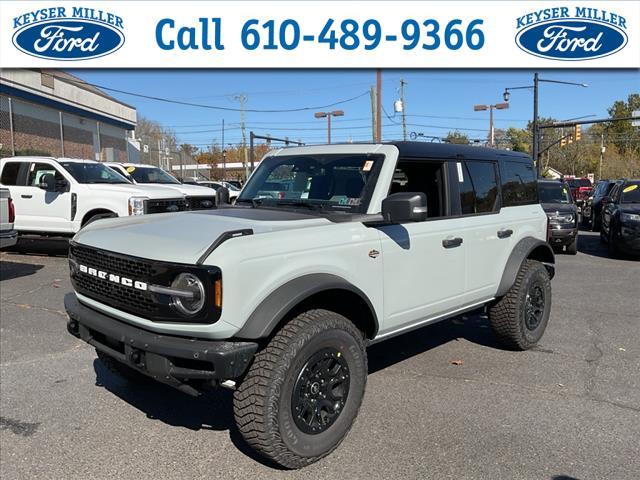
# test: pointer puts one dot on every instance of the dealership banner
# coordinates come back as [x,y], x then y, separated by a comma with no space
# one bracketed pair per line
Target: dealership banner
[320,34]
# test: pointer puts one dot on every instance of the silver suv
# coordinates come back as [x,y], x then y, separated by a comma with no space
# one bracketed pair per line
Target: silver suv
[327,250]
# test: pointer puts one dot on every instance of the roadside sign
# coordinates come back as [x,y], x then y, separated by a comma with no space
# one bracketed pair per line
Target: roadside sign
[635,123]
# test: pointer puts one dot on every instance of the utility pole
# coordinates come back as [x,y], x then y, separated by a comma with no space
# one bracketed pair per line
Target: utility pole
[404,110]
[224,155]
[372,92]
[602,149]
[536,132]
[379,105]
[242,99]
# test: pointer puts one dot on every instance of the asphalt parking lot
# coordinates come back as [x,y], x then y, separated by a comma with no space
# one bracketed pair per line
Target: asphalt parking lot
[568,409]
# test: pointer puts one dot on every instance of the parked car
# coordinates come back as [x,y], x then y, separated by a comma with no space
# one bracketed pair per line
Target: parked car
[621,218]
[150,176]
[233,193]
[279,298]
[60,196]
[592,208]
[558,204]
[235,183]
[580,190]
[8,234]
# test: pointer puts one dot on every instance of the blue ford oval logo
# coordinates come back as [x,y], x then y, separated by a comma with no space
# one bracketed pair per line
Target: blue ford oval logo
[579,39]
[68,39]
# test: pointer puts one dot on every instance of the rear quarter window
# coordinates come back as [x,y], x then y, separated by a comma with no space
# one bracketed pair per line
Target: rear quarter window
[519,185]
[11,173]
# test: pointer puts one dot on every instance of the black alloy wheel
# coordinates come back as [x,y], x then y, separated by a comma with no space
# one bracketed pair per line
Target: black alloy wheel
[321,391]
[534,305]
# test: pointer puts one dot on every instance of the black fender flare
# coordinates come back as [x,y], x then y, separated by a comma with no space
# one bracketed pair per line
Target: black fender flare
[523,250]
[268,314]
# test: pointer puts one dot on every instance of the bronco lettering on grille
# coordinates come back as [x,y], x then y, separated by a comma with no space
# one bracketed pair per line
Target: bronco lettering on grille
[127,282]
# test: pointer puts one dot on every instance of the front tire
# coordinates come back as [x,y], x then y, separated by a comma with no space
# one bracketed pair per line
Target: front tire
[520,317]
[572,248]
[303,391]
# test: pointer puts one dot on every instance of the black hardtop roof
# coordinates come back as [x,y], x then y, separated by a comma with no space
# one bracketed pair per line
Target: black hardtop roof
[453,151]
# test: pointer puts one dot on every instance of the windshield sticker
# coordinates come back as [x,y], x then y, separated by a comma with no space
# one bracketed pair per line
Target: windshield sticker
[367,166]
[131,169]
[630,188]
[352,202]
[460,177]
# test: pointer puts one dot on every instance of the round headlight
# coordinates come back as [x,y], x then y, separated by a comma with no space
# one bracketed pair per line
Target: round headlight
[188,304]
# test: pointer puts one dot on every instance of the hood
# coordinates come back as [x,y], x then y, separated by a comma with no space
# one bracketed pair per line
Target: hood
[630,208]
[559,207]
[183,237]
[134,190]
[191,190]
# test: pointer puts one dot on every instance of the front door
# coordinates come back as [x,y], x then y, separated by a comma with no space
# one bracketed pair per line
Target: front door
[40,210]
[424,262]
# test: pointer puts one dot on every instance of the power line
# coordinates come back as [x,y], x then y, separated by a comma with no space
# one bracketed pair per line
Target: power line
[212,107]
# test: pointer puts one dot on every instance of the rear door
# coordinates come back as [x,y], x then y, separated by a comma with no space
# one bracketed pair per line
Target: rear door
[487,233]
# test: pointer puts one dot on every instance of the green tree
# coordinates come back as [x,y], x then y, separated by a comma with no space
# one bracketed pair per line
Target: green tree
[457,137]
[625,136]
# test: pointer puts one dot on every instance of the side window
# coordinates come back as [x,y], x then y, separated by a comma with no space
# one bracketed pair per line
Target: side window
[38,170]
[518,184]
[11,173]
[614,192]
[479,188]
[422,176]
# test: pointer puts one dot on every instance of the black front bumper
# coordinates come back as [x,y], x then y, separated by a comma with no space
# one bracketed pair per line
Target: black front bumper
[562,236]
[184,363]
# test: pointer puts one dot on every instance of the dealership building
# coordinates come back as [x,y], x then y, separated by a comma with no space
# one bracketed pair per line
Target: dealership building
[53,113]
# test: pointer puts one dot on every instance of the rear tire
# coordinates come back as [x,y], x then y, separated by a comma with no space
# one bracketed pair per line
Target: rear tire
[120,369]
[300,397]
[520,317]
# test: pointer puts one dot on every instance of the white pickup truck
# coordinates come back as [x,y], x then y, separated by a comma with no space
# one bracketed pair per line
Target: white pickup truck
[198,197]
[8,235]
[60,196]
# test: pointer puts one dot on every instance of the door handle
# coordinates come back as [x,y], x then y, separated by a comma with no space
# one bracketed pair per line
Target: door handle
[505,233]
[452,242]
[26,196]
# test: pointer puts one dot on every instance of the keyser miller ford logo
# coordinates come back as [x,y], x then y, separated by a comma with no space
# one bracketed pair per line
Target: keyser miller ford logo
[576,33]
[68,33]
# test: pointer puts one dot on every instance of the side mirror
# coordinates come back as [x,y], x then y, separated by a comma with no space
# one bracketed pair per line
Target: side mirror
[222,196]
[48,182]
[405,207]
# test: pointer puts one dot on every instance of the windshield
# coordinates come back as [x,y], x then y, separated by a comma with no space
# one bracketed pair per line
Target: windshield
[554,193]
[93,173]
[631,193]
[151,175]
[336,182]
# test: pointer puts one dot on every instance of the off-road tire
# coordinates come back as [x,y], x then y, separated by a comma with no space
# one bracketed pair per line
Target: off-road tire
[508,314]
[120,369]
[572,248]
[262,402]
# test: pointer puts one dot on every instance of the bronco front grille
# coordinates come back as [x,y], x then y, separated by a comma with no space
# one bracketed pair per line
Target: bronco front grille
[165,206]
[98,274]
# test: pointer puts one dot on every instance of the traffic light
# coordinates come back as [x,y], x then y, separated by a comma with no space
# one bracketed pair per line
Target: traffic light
[578,132]
[569,139]
[563,141]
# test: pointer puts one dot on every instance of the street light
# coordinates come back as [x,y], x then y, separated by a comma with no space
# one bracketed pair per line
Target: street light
[328,115]
[536,134]
[497,106]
